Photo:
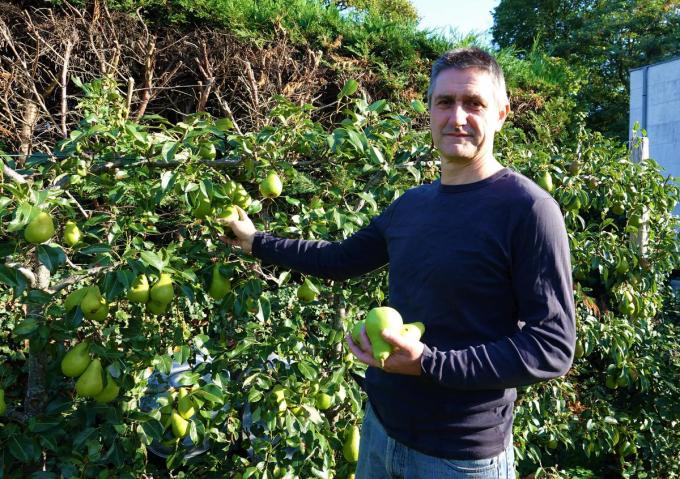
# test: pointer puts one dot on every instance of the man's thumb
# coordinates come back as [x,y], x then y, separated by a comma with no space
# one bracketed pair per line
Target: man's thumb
[394,338]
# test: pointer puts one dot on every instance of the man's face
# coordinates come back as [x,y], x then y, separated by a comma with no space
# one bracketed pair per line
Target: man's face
[465,114]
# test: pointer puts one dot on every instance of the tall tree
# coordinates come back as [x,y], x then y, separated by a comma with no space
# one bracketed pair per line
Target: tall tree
[608,37]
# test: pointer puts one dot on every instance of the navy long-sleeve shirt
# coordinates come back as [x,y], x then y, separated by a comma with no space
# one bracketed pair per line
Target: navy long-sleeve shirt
[486,267]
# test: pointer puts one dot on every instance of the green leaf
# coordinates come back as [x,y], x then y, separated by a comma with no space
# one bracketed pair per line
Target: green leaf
[26,327]
[37,296]
[152,259]
[349,88]
[51,256]
[82,437]
[168,150]
[167,180]
[210,393]
[376,155]
[254,395]
[21,447]
[22,216]
[418,106]
[307,370]
[163,364]
[96,249]
[8,276]
[355,140]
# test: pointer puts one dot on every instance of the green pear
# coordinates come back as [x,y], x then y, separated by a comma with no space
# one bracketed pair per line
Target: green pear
[240,196]
[74,298]
[203,208]
[378,320]
[154,307]
[76,360]
[139,291]
[110,391]
[323,401]
[180,426]
[413,331]
[162,292]
[207,151]
[308,291]
[350,448]
[271,186]
[3,405]
[185,406]
[219,285]
[99,315]
[165,419]
[90,383]
[71,234]
[545,181]
[228,214]
[92,301]
[356,332]
[40,229]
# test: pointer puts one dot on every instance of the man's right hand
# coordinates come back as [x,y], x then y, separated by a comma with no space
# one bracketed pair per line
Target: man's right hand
[243,229]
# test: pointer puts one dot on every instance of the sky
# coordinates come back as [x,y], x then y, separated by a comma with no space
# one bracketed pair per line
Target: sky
[465,16]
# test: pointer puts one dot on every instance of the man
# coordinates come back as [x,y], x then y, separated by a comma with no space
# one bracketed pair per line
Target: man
[481,258]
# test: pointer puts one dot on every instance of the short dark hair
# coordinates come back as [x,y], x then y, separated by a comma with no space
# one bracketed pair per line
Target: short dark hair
[469,57]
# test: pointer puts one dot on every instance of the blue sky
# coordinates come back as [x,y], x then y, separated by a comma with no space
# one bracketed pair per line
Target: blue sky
[464,16]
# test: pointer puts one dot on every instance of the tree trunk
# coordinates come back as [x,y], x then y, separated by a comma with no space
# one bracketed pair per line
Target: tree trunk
[36,392]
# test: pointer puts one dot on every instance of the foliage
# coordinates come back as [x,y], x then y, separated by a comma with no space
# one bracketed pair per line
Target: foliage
[258,357]
[606,38]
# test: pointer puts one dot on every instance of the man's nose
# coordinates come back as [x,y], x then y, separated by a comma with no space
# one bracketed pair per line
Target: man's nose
[457,115]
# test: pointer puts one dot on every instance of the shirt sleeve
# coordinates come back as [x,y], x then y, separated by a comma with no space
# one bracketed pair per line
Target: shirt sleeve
[543,347]
[364,251]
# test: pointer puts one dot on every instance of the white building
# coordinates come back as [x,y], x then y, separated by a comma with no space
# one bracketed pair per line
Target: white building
[655,105]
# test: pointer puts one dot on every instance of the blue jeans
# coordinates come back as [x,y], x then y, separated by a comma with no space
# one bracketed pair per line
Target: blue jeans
[381,457]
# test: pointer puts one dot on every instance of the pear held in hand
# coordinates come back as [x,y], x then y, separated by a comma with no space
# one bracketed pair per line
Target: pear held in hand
[378,320]
[40,229]
[90,383]
[413,331]
[76,361]
[356,332]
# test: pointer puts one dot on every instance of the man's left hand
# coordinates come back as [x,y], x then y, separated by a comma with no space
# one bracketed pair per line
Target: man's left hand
[405,359]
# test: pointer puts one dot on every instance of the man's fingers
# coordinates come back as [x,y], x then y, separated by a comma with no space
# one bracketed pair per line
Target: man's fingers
[396,339]
[359,353]
[242,215]
[229,241]
[363,339]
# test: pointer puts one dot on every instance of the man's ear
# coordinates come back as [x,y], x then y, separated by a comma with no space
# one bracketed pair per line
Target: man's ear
[503,112]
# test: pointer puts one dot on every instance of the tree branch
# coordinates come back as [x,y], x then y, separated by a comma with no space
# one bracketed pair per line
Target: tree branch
[12,175]
[76,278]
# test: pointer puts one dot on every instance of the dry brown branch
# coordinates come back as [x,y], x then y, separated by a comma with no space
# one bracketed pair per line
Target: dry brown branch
[64,82]
[128,96]
[206,70]
[149,63]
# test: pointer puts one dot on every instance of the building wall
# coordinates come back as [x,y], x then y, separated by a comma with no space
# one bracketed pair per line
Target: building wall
[663,113]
